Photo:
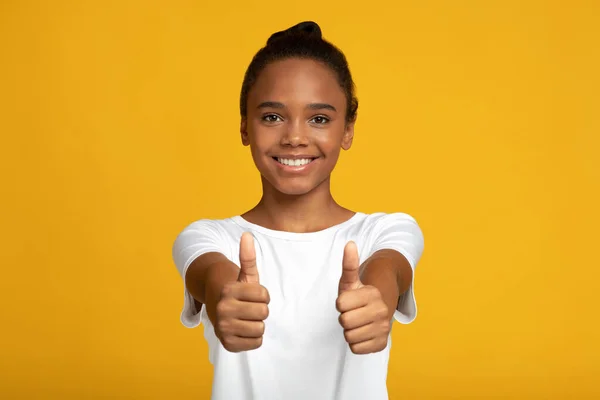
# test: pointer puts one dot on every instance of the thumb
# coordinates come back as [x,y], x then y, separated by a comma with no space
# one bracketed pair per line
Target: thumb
[350,278]
[248,269]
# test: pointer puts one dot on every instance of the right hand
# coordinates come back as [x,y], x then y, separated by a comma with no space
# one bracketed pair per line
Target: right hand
[243,305]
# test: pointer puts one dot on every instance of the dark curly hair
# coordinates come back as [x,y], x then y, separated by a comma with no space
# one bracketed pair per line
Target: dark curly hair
[303,40]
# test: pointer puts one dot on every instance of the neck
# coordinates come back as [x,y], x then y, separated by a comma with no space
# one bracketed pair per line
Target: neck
[309,212]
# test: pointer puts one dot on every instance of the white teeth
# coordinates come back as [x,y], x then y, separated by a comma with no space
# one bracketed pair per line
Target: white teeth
[295,162]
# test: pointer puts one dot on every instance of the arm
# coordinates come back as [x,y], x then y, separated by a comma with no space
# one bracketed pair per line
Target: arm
[197,252]
[236,303]
[371,293]
[390,273]
[205,279]
[367,301]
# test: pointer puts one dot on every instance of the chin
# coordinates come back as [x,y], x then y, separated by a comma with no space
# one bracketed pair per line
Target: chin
[296,186]
[291,185]
[290,189]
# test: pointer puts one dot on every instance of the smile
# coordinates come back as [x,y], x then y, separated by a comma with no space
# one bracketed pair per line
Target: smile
[296,162]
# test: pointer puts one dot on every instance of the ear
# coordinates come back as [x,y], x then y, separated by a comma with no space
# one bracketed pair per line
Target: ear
[348,135]
[244,132]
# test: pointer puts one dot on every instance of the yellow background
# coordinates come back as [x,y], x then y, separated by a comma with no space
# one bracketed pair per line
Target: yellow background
[119,123]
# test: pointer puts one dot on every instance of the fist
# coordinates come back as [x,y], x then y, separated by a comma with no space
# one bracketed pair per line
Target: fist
[363,313]
[243,305]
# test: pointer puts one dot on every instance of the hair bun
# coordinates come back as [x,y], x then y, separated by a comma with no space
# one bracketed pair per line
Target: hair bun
[307,28]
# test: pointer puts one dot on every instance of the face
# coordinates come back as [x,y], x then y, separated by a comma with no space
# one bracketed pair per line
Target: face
[296,125]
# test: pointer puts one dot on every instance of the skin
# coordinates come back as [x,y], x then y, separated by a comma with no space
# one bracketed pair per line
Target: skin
[296,106]
[296,203]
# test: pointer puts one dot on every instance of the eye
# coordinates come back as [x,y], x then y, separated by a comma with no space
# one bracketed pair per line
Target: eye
[272,118]
[320,120]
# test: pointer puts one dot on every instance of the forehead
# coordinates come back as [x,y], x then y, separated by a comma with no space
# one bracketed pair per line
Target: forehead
[301,80]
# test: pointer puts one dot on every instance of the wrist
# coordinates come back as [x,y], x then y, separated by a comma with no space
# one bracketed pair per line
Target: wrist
[382,274]
[217,276]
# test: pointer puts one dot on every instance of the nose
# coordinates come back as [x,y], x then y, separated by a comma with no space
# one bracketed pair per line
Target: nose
[295,135]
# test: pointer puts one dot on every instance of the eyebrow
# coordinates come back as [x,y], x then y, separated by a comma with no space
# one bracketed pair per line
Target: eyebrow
[321,106]
[312,106]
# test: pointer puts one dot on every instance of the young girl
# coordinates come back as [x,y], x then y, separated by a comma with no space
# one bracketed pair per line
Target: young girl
[298,294]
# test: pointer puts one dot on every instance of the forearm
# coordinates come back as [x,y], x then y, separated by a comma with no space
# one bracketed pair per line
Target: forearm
[206,277]
[390,273]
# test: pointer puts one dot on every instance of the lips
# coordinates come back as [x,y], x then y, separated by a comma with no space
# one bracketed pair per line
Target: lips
[295,161]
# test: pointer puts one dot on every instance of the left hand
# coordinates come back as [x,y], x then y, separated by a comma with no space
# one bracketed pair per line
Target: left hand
[363,313]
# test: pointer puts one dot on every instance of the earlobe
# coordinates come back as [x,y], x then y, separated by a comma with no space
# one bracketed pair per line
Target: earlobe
[244,132]
[348,136]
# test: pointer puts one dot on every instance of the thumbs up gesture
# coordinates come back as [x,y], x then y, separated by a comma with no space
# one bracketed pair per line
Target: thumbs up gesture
[363,313]
[243,307]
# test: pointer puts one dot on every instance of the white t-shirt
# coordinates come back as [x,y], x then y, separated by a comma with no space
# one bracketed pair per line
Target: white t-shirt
[304,354]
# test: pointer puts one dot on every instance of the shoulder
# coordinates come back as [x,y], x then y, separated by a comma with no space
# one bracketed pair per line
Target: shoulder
[382,221]
[203,236]
[210,223]
[392,231]
[217,230]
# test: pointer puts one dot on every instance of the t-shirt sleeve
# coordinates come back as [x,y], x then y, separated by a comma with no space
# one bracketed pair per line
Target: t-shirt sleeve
[199,238]
[401,232]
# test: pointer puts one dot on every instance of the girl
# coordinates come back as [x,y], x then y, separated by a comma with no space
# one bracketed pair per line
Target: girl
[298,294]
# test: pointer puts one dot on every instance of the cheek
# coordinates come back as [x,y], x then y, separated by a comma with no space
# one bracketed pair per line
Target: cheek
[332,157]
[257,151]
[260,143]
[329,143]
[330,149]
[256,138]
